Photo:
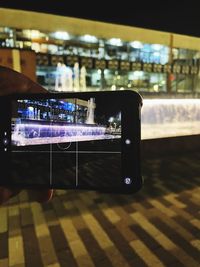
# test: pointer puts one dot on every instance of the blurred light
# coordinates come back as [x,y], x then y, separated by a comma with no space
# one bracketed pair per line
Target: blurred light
[136,44]
[61,35]
[121,88]
[111,119]
[35,47]
[89,38]
[32,34]
[115,42]
[129,85]
[31,109]
[156,54]
[113,87]
[99,71]
[169,101]
[156,87]
[157,47]
[138,74]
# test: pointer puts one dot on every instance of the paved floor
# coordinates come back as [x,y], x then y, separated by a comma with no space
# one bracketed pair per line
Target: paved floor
[159,226]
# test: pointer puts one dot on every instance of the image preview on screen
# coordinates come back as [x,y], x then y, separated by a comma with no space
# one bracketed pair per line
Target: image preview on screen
[67,143]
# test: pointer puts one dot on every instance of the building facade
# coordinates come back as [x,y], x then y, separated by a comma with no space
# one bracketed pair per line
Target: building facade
[76,54]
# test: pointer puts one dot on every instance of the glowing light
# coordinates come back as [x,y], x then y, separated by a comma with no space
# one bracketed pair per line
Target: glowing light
[136,44]
[173,101]
[32,34]
[138,74]
[156,88]
[157,47]
[89,38]
[35,47]
[31,109]
[115,42]
[61,35]
[113,87]
[170,117]
[156,54]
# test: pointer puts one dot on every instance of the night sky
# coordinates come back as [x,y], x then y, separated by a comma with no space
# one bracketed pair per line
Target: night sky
[178,16]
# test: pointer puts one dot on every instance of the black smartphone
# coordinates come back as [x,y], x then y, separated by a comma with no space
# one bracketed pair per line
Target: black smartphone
[80,140]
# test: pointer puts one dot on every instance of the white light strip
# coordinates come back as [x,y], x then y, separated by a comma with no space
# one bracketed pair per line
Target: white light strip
[171,101]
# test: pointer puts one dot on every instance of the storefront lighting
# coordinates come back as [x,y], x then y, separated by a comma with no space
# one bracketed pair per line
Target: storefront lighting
[157,47]
[136,44]
[32,34]
[156,54]
[35,47]
[115,42]
[89,38]
[61,35]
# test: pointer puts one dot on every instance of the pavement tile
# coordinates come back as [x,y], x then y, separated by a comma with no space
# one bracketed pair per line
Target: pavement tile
[158,226]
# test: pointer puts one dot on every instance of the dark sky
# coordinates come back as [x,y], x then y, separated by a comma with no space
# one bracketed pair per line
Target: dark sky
[178,16]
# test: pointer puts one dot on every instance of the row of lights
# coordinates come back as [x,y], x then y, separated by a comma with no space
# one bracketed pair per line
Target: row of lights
[61,35]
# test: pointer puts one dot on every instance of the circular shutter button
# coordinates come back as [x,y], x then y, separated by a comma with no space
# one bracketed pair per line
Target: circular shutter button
[127,180]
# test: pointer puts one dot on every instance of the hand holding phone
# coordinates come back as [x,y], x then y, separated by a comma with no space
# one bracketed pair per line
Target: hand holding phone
[87,140]
[14,82]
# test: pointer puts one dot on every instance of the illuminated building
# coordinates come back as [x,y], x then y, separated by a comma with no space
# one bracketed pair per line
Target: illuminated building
[104,56]
[114,56]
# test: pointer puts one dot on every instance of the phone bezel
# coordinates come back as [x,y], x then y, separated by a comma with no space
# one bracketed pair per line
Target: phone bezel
[131,103]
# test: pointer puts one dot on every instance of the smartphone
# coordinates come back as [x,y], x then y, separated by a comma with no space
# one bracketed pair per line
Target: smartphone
[76,140]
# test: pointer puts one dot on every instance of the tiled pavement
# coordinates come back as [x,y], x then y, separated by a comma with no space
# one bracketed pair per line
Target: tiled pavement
[159,226]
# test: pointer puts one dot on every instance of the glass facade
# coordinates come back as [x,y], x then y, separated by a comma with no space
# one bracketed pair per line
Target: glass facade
[90,63]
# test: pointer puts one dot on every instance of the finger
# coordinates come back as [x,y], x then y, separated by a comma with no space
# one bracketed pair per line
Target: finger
[14,82]
[41,196]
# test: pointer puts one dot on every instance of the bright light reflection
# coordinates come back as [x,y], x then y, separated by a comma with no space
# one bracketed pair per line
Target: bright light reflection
[89,38]
[170,117]
[32,34]
[115,42]
[136,44]
[157,47]
[61,35]
[38,134]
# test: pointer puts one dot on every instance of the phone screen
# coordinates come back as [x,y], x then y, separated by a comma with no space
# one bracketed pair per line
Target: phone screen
[68,142]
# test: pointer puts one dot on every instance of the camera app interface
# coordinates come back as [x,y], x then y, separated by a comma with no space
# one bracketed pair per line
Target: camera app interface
[61,143]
